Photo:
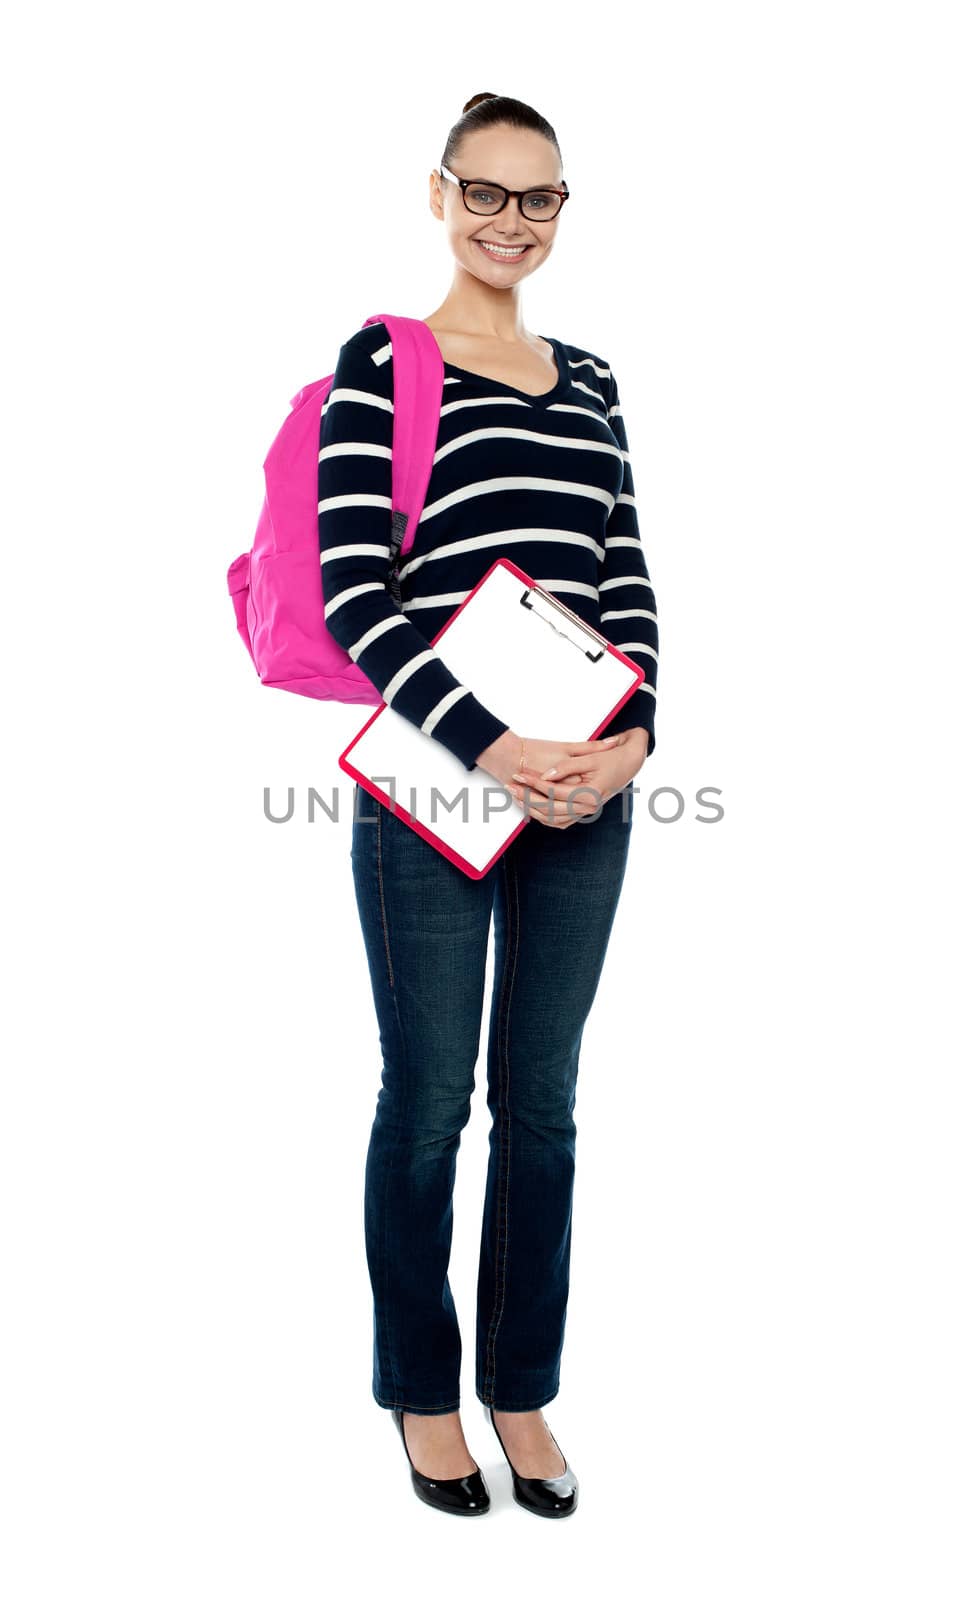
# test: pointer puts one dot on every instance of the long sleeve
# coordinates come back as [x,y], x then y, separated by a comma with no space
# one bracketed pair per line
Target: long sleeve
[627,603]
[354,516]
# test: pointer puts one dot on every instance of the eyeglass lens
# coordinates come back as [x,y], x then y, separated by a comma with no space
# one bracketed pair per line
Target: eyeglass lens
[486,198]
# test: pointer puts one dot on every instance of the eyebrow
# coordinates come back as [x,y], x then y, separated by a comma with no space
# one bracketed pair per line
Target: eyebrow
[499,185]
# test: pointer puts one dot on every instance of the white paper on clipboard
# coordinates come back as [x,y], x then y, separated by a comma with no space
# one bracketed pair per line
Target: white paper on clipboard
[532,662]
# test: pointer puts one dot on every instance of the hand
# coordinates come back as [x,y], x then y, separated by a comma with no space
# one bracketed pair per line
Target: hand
[603,765]
[501,758]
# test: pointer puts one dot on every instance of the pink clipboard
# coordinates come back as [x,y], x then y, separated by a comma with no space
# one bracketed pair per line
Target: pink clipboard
[537,666]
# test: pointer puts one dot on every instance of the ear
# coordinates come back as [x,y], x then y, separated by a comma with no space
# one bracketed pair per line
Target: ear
[435,195]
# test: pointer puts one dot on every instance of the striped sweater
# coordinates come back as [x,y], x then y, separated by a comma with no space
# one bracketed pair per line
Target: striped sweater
[543,479]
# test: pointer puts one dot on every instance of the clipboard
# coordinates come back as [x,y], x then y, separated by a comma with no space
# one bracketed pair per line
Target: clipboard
[539,667]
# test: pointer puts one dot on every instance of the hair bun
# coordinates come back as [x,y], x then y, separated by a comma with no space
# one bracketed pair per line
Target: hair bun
[475,99]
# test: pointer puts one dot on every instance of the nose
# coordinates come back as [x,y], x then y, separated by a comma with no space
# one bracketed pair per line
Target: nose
[511,219]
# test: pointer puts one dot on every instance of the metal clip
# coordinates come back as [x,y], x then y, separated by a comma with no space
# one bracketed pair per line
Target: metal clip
[549,599]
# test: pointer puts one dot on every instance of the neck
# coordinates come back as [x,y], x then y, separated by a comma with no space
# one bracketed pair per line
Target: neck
[477,309]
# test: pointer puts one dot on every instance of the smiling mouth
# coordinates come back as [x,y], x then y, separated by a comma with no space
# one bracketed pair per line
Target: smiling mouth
[503,252]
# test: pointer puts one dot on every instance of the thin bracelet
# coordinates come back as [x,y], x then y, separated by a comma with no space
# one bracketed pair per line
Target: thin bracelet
[523,748]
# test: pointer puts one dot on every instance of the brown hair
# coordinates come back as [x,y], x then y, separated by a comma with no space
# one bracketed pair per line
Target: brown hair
[488,111]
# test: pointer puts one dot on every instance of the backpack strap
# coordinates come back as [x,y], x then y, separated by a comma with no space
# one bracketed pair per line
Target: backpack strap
[417,377]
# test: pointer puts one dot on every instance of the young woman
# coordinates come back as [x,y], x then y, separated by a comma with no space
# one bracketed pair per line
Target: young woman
[531,462]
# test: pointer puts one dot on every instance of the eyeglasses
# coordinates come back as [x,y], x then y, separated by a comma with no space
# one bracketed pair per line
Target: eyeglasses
[486,199]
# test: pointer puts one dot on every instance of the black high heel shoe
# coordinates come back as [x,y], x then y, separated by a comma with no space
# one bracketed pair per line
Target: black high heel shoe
[464,1496]
[549,1497]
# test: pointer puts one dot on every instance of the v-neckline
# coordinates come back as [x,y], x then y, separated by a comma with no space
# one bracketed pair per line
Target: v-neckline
[561,362]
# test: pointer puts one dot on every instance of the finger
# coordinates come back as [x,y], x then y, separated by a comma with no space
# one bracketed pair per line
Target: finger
[571,771]
[592,746]
[557,804]
[530,799]
[586,753]
[537,780]
[552,822]
[581,798]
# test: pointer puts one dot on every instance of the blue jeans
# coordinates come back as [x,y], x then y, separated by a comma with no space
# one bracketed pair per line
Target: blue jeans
[553,895]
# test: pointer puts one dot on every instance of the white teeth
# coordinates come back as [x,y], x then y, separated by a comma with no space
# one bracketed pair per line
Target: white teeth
[502,250]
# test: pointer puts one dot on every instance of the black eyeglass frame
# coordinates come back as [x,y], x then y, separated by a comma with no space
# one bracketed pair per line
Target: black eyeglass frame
[465,183]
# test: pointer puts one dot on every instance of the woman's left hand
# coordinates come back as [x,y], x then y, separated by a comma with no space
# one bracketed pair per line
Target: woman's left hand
[545,795]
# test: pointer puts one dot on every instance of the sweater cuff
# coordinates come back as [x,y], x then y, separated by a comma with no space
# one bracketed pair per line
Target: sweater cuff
[638,712]
[467,728]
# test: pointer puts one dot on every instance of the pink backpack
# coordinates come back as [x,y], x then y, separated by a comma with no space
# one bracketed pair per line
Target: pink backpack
[276,586]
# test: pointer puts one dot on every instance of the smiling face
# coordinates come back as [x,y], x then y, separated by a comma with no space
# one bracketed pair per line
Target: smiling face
[519,159]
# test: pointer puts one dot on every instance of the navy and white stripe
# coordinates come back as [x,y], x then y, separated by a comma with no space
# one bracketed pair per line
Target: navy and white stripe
[543,479]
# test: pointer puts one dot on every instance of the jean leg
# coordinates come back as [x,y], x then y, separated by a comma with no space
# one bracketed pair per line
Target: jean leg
[426,929]
[556,899]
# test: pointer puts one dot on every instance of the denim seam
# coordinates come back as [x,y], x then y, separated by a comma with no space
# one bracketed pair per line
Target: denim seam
[503,1043]
[407,1405]
[384,918]
[536,1407]
[386,1357]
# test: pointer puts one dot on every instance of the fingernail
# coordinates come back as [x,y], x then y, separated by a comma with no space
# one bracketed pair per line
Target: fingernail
[551,772]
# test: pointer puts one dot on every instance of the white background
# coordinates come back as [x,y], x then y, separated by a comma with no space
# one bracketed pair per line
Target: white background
[769,1385]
